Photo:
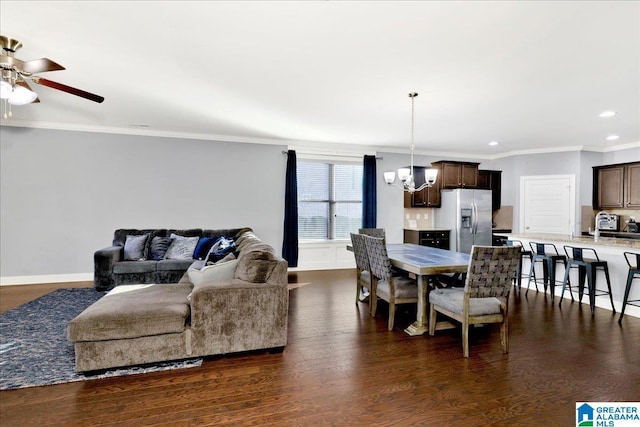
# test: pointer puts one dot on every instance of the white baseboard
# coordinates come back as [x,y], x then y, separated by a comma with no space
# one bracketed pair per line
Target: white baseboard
[45,278]
[324,255]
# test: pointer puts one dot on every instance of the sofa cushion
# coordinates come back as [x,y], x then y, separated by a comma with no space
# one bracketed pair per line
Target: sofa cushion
[158,247]
[256,263]
[128,267]
[219,271]
[181,247]
[131,311]
[135,247]
[174,264]
[452,299]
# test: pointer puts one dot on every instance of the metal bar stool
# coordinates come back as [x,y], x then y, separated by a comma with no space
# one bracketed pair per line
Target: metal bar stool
[523,254]
[542,252]
[634,273]
[586,267]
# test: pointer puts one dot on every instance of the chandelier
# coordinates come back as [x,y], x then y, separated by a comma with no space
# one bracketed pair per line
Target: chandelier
[406,175]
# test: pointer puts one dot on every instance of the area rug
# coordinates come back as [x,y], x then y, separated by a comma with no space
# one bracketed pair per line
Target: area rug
[33,342]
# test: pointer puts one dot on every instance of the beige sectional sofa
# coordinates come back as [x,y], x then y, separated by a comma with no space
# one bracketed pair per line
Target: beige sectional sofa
[243,308]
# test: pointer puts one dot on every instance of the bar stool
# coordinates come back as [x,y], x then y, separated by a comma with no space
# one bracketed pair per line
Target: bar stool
[634,273]
[541,252]
[523,254]
[586,267]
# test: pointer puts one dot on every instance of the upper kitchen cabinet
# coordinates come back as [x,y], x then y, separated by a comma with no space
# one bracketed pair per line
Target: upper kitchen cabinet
[457,174]
[491,180]
[632,186]
[428,197]
[616,186]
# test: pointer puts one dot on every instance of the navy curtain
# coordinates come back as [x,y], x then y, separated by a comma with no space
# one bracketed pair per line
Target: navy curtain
[290,241]
[369,190]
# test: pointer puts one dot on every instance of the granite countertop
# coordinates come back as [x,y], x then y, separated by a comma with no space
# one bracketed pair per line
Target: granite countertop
[581,240]
[617,234]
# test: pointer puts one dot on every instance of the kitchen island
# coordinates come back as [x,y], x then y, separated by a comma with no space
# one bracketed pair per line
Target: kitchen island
[609,249]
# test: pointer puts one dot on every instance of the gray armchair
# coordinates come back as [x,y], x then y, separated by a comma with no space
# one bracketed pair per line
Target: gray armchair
[485,297]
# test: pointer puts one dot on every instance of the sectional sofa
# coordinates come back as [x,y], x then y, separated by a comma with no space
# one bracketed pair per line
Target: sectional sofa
[239,303]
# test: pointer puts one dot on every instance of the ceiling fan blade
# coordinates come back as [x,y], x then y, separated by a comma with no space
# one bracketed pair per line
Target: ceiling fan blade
[40,65]
[26,86]
[68,89]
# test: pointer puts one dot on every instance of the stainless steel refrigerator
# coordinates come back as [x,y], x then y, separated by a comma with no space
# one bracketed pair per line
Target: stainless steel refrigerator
[467,213]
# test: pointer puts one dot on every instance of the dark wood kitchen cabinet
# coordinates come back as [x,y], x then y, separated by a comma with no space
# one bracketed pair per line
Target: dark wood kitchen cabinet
[428,197]
[434,238]
[632,186]
[457,174]
[491,180]
[616,186]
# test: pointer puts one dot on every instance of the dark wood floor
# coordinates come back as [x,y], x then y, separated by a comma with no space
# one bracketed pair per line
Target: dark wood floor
[342,367]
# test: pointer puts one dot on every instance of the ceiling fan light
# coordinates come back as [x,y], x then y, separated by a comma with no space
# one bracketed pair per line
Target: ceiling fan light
[5,90]
[22,96]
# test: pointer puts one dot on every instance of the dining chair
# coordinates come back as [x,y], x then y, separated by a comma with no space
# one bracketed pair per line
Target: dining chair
[363,275]
[373,232]
[485,297]
[386,283]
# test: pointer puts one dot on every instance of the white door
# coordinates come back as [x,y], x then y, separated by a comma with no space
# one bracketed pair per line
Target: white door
[547,204]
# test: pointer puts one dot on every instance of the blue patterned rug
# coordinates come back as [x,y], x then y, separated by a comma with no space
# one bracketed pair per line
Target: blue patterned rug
[33,342]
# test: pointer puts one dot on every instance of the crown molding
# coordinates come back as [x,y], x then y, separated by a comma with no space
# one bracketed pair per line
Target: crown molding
[309,149]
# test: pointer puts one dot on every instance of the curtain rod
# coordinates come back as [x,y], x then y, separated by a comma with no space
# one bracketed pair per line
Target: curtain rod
[336,155]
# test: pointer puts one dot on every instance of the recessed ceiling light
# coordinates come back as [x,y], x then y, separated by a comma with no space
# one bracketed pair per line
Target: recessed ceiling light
[612,137]
[607,114]
[493,143]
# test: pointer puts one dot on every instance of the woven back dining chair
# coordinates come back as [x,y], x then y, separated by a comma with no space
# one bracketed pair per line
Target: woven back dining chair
[363,275]
[485,297]
[386,283]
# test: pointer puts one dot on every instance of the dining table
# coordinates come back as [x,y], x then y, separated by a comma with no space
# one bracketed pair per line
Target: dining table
[425,263]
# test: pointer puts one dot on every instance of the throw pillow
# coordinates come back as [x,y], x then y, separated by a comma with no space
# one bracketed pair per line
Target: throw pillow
[220,271]
[203,247]
[220,249]
[134,247]
[228,257]
[159,246]
[181,247]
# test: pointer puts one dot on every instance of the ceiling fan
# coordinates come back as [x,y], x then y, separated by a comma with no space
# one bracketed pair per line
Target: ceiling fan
[16,72]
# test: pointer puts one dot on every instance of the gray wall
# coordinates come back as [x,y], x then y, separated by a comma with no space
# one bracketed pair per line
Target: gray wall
[63,193]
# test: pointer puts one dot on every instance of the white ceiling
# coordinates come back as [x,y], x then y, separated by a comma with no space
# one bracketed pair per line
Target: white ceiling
[531,75]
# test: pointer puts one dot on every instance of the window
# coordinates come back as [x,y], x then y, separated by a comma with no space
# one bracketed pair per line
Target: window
[329,200]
